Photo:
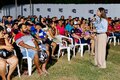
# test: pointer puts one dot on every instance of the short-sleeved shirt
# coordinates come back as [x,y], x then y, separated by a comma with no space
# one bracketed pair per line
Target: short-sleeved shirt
[61,30]
[117,27]
[41,34]
[68,27]
[110,28]
[27,39]
[77,32]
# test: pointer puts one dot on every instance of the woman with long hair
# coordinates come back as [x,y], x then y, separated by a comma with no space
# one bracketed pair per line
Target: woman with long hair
[100,24]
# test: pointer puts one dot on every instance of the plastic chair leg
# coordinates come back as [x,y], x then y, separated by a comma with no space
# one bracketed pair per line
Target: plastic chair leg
[81,46]
[68,50]
[114,41]
[29,66]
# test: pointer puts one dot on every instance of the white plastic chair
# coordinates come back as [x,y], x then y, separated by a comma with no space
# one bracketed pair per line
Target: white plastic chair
[118,41]
[66,46]
[29,59]
[114,39]
[81,48]
[18,69]
[29,62]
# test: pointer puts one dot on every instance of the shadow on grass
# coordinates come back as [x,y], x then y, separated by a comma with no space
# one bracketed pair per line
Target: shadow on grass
[107,50]
[76,50]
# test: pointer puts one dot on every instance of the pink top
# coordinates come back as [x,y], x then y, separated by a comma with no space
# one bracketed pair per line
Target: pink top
[61,30]
[117,27]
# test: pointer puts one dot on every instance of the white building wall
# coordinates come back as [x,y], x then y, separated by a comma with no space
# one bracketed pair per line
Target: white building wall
[82,10]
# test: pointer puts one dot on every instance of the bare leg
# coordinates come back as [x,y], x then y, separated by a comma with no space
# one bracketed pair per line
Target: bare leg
[36,62]
[12,61]
[2,69]
[53,47]
[44,65]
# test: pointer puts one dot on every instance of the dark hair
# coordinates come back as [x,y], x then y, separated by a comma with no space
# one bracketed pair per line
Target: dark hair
[9,16]
[1,28]
[14,24]
[28,24]
[15,31]
[20,25]
[22,17]
[39,24]
[102,11]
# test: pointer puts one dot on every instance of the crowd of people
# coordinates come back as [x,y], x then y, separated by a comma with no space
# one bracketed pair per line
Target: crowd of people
[40,33]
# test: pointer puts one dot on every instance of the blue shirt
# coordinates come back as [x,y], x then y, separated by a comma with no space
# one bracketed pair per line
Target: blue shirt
[101,25]
[42,34]
[33,31]
[68,27]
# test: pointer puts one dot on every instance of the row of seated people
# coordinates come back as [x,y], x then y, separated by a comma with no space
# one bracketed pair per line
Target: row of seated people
[35,36]
[114,28]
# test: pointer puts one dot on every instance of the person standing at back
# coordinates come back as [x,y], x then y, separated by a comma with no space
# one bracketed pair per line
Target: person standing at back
[100,24]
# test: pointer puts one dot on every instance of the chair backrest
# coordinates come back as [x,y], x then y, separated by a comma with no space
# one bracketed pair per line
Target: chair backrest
[25,50]
[69,38]
[112,33]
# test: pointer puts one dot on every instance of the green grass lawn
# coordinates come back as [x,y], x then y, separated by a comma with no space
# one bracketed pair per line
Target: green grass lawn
[81,68]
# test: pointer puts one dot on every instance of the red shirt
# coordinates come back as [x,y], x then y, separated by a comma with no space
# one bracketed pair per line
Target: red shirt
[61,29]
[110,28]
[117,27]
[17,36]
[20,37]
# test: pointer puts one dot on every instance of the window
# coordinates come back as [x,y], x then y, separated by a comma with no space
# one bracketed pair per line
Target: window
[74,10]
[25,9]
[60,9]
[38,9]
[49,9]
[91,11]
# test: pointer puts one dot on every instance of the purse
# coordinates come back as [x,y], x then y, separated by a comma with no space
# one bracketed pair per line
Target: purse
[43,56]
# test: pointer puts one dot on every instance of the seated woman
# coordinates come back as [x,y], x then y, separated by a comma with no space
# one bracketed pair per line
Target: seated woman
[52,32]
[6,56]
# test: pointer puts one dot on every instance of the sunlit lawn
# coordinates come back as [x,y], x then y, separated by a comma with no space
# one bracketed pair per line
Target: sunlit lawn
[81,68]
